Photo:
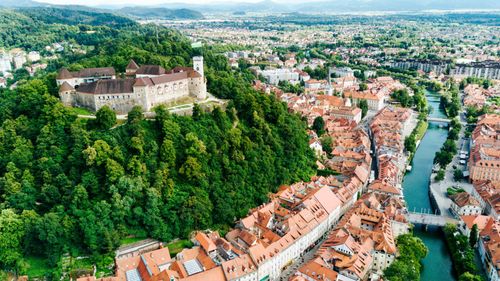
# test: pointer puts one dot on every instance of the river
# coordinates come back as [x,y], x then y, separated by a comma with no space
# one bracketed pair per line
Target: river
[437,264]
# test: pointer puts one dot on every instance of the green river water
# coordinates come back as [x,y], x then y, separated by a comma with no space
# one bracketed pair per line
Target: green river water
[437,264]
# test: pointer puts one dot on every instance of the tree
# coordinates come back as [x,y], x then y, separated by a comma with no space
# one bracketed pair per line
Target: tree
[192,169]
[410,143]
[53,229]
[449,146]
[319,125]
[167,152]
[326,144]
[105,118]
[407,265]
[457,174]
[12,232]
[197,111]
[467,276]
[453,134]
[135,115]
[410,245]
[363,87]
[403,97]
[440,175]
[363,105]
[462,253]
[360,74]
[445,155]
[473,236]
[402,270]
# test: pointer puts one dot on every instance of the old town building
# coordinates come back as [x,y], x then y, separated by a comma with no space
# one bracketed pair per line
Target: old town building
[484,161]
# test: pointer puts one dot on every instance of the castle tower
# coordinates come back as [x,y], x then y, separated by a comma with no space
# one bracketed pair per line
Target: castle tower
[198,65]
[67,94]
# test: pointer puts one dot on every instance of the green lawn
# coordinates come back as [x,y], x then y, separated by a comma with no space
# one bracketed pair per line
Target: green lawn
[84,263]
[81,111]
[177,246]
[454,190]
[421,129]
[38,267]
[131,239]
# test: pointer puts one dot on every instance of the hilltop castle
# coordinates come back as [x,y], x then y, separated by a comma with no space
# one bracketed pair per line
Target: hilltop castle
[146,86]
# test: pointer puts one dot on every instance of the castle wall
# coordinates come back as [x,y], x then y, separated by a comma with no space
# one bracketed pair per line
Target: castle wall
[165,93]
[120,103]
[85,100]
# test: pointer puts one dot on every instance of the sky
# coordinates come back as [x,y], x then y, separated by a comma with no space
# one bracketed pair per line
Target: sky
[147,2]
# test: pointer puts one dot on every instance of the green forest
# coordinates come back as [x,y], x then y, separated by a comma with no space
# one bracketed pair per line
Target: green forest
[69,185]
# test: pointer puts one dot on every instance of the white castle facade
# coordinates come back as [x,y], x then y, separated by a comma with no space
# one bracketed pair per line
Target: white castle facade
[146,86]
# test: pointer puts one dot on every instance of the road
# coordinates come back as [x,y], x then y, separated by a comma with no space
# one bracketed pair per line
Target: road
[306,257]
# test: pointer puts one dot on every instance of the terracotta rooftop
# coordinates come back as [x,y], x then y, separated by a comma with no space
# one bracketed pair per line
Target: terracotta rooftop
[464,199]
[65,87]
[150,70]
[206,243]
[479,220]
[378,185]
[114,86]
[64,74]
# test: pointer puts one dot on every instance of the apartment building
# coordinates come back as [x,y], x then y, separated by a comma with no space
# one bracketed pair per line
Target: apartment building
[374,99]
[274,76]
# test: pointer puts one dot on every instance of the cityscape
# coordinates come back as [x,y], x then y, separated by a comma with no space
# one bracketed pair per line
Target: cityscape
[249,141]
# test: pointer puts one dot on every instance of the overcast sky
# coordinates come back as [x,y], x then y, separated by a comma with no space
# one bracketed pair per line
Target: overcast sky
[147,2]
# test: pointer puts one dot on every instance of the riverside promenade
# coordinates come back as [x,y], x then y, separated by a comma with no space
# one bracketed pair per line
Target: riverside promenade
[438,189]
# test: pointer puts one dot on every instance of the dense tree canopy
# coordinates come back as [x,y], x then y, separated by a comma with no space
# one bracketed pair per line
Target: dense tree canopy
[407,266]
[70,184]
[462,254]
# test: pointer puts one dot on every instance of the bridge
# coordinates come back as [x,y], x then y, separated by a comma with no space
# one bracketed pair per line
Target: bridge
[436,119]
[445,120]
[430,219]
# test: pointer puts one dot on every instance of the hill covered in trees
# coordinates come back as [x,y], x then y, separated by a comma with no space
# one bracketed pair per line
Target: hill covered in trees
[161,13]
[76,15]
[18,3]
[68,185]
[35,28]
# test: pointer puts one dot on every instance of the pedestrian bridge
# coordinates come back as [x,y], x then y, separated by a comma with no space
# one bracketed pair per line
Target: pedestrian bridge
[436,119]
[444,120]
[430,219]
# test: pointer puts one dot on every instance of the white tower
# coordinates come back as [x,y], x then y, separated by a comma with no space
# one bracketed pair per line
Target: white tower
[198,65]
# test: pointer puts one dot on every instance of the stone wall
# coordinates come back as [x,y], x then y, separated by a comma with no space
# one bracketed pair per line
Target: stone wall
[120,103]
[85,100]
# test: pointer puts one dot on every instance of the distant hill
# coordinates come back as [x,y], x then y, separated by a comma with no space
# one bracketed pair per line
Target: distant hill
[19,3]
[161,13]
[332,6]
[73,15]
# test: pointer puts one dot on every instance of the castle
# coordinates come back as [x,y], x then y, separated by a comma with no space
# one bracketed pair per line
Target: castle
[146,86]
